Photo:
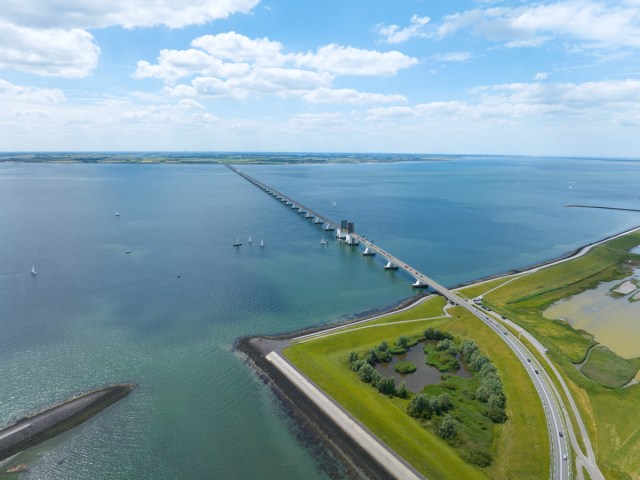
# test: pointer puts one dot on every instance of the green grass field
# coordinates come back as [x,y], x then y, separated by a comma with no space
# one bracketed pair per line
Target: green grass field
[610,413]
[605,367]
[520,447]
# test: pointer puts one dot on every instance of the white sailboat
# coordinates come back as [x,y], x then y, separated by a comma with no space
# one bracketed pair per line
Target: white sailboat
[323,241]
[249,241]
[261,243]
[33,270]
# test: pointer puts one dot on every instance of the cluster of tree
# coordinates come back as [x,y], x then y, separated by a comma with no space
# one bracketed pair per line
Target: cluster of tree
[435,334]
[426,406]
[364,367]
[490,390]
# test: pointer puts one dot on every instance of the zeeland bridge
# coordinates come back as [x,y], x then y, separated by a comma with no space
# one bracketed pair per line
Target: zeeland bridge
[557,417]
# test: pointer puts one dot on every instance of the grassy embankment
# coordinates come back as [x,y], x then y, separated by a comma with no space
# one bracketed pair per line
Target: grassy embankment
[611,414]
[520,447]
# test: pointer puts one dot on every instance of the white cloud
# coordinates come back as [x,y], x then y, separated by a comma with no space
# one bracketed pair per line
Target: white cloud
[506,103]
[395,34]
[266,70]
[354,61]
[50,37]
[49,52]
[21,94]
[126,13]
[541,76]
[175,64]
[599,24]
[239,48]
[453,57]
[348,96]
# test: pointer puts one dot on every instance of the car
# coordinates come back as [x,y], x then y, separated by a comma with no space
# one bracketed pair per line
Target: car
[561,434]
[536,372]
[564,457]
[529,360]
[504,332]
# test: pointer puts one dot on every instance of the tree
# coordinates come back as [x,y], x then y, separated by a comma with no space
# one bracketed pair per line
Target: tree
[353,357]
[467,347]
[387,385]
[496,401]
[403,342]
[444,401]
[371,357]
[357,365]
[366,373]
[444,345]
[418,405]
[483,393]
[448,427]
[383,346]
[429,333]
[401,391]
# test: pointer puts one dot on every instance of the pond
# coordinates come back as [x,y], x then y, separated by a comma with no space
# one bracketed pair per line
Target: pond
[614,320]
[424,374]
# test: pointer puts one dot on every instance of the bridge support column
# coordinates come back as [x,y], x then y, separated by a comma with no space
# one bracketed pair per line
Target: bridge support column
[419,284]
[390,266]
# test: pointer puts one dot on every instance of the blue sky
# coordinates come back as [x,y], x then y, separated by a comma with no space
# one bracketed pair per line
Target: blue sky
[557,77]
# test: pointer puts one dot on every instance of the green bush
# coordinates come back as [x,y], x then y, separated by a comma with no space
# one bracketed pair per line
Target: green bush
[396,350]
[404,367]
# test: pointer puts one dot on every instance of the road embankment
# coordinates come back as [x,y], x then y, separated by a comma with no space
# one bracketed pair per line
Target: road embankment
[30,431]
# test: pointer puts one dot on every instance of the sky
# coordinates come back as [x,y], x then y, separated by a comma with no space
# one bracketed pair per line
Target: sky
[556,77]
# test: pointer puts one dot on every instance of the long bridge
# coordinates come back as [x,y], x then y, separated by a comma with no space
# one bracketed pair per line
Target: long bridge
[550,397]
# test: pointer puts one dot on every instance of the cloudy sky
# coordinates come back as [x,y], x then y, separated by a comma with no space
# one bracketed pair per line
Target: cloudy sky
[557,77]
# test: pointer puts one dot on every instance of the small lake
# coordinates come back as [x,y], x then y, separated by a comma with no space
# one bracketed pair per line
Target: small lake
[424,374]
[614,322]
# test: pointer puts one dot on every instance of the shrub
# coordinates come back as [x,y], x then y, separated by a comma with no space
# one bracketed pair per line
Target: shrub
[401,391]
[353,357]
[477,457]
[403,342]
[448,428]
[496,415]
[396,350]
[366,373]
[357,365]
[404,367]
[386,385]
[383,356]
[418,405]
[383,346]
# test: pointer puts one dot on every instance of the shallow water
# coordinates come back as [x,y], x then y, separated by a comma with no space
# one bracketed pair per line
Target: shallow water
[614,322]
[95,315]
[424,374]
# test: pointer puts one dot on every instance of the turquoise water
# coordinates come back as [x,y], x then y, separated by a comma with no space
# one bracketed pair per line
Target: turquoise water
[95,315]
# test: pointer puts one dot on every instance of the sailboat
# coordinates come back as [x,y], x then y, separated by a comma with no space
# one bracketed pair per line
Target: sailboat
[261,243]
[238,242]
[249,241]
[323,241]
[33,270]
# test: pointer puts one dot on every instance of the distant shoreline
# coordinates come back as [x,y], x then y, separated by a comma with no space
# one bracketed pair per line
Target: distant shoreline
[309,417]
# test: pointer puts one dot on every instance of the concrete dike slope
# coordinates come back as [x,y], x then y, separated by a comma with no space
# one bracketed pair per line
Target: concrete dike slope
[30,431]
[361,454]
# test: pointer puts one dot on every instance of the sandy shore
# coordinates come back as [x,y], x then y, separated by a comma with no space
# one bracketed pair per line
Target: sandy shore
[314,424]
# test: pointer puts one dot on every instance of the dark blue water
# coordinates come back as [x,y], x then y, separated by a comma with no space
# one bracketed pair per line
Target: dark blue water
[96,315]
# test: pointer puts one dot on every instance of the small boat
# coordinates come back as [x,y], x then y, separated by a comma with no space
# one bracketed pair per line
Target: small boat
[249,241]
[323,241]
[33,270]
[261,243]
[127,251]
[117,214]
[238,242]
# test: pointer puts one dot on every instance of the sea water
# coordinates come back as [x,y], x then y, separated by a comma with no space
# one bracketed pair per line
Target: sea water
[166,315]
